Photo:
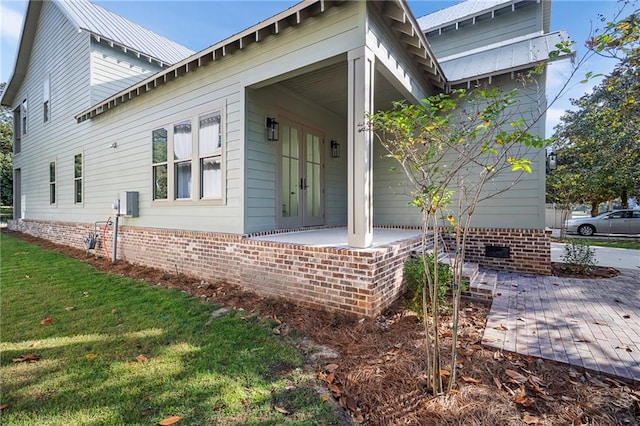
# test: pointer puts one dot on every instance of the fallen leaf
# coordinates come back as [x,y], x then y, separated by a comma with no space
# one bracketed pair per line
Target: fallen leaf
[498,355]
[625,316]
[358,418]
[470,380]
[567,398]
[68,308]
[281,410]
[27,358]
[330,377]
[352,404]
[501,327]
[142,358]
[323,398]
[331,367]
[3,406]
[335,390]
[46,321]
[27,276]
[170,420]
[530,420]
[517,377]
[524,400]
[445,373]
[85,293]
[91,356]
[625,347]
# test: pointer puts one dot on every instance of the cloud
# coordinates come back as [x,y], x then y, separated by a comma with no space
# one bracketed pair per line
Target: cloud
[553,119]
[10,23]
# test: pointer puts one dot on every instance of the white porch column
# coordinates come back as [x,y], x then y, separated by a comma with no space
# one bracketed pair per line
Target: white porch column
[360,148]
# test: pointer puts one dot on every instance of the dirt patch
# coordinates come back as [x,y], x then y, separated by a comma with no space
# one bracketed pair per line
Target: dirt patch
[564,270]
[375,368]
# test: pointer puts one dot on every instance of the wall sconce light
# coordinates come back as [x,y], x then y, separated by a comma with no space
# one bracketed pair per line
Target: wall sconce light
[335,149]
[273,129]
[552,161]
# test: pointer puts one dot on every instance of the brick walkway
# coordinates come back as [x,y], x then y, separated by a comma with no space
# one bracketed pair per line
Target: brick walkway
[590,323]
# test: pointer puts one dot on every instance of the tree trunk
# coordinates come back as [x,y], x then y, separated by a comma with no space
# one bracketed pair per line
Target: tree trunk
[625,198]
[594,209]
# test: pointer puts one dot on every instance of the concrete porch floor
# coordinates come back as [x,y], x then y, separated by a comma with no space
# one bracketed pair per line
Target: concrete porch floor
[337,237]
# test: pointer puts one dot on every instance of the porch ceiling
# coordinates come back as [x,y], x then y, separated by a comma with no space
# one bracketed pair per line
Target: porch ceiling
[328,88]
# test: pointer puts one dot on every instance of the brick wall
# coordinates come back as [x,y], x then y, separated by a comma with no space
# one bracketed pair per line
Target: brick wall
[363,282]
[529,249]
[355,281]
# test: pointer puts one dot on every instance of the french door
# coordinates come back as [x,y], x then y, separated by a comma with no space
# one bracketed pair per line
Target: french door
[301,176]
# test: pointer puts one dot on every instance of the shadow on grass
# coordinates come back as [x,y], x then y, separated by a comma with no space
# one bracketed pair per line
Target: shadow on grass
[128,353]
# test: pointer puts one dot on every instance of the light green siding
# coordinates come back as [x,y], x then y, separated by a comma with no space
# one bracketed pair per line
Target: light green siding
[263,156]
[113,70]
[53,140]
[505,25]
[520,207]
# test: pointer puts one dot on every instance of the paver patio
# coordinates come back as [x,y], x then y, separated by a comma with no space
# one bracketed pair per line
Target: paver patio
[590,323]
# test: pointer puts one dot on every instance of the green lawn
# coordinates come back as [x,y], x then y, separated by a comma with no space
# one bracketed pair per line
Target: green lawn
[219,371]
[626,244]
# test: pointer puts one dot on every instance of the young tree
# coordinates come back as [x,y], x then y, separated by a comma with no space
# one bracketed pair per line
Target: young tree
[455,150]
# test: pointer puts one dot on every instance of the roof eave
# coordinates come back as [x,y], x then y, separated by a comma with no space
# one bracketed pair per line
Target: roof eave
[22,59]
[290,17]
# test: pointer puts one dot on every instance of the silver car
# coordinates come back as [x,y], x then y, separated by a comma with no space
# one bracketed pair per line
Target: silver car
[616,222]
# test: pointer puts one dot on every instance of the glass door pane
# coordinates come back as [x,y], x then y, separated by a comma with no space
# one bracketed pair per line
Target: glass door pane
[290,169]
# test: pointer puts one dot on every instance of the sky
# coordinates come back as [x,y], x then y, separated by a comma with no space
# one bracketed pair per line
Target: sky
[199,24]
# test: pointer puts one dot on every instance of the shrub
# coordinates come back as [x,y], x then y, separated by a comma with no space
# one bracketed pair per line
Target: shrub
[415,279]
[579,257]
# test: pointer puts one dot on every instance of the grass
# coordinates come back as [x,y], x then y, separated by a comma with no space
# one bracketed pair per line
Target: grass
[625,244]
[222,371]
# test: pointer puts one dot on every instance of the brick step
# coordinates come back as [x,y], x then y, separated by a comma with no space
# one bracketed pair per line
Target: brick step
[483,286]
[483,282]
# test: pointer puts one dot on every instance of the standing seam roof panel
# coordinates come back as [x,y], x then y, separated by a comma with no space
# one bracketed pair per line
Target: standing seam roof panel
[95,19]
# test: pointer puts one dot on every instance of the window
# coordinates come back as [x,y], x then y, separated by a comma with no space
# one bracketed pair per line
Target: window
[23,114]
[45,102]
[77,181]
[160,164]
[182,147]
[210,150]
[52,182]
[17,131]
[187,159]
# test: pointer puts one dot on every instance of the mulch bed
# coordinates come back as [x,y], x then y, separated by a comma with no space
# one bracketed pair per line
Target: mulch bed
[377,372]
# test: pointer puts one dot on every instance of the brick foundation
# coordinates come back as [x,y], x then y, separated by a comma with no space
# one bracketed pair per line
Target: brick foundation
[529,249]
[363,282]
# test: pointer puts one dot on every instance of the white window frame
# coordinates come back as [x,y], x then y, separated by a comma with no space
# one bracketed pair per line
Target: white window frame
[159,163]
[53,186]
[79,179]
[195,159]
[46,99]
[24,116]
[17,129]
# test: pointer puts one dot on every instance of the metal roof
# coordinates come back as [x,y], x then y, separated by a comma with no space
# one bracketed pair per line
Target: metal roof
[471,9]
[501,58]
[103,24]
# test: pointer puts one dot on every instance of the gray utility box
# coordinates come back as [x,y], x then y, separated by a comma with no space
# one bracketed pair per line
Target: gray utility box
[128,204]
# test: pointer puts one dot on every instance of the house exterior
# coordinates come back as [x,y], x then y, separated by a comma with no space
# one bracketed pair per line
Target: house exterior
[254,136]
